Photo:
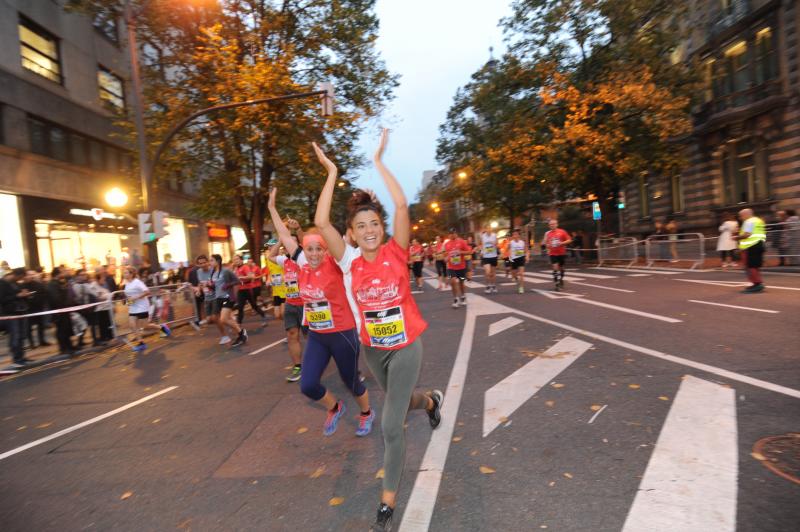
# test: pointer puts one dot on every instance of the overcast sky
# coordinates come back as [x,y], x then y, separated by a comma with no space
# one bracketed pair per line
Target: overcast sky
[435,45]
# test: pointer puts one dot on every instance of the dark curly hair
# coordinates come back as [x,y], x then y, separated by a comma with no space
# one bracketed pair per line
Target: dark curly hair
[362,201]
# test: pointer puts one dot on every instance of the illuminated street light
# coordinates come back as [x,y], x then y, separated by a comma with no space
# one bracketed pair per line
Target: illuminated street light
[434,205]
[462,174]
[116,198]
[341,183]
[437,209]
[422,221]
[415,227]
[493,225]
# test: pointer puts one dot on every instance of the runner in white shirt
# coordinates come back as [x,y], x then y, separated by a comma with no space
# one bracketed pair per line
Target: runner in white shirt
[518,253]
[489,258]
[136,294]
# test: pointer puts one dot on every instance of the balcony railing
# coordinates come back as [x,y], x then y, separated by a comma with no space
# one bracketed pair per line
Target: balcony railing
[727,17]
[733,100]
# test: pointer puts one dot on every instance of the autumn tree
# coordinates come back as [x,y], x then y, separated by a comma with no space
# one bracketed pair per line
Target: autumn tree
[204,53]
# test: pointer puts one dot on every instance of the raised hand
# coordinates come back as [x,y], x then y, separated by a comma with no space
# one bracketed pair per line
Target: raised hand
[273,193]
[382,144]
[323,159]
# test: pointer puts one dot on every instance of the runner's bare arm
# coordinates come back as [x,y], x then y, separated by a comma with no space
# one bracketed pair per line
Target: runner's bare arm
[402,220]
[283,231]
[322,218]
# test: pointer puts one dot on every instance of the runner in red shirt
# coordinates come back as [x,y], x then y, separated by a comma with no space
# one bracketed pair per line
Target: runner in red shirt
[245,292]
[457,250]
[332,327]
[556,240]
[416,257]
[391,321]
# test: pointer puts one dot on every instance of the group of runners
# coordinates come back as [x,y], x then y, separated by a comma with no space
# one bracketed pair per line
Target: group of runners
[455,259]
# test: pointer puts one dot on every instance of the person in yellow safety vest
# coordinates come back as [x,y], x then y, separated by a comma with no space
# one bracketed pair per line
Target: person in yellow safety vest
[752,243]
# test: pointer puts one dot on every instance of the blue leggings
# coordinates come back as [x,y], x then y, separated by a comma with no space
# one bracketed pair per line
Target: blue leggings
[343,347]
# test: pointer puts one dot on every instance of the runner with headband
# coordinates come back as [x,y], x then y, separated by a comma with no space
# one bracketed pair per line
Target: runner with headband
[392,323]
[332,327]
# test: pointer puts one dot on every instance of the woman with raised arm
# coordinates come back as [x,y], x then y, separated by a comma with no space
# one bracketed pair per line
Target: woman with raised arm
[332,328]
[391,322]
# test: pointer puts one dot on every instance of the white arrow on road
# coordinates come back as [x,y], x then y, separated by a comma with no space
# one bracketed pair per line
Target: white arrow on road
[576,297]
[505,397]
[690,481]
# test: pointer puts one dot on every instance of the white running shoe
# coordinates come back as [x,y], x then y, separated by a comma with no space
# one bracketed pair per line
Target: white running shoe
[225,340]
[455,304]
[488,290]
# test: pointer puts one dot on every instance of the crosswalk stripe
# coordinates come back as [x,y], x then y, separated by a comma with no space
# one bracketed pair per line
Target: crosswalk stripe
[500,326]
[505,397]
[690,481]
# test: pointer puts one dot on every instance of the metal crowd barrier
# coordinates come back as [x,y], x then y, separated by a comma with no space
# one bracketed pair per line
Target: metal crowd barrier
[169,305]
[620,249]
[783,242]
[680,247]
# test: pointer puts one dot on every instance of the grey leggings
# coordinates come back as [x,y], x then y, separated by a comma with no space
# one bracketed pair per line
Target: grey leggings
[396,372]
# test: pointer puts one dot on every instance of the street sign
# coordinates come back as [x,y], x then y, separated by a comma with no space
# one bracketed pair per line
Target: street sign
[596,214]
[327,98]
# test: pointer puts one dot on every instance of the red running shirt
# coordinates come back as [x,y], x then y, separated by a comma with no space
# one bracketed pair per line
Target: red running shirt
[554,239]
[455,249]
[326,309]
[244,271]
[291,274]
[382,293]
[416,253]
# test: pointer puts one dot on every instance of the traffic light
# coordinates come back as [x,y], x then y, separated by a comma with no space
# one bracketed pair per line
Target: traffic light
[327,98]
[160,224]
[621,200]
[146,227]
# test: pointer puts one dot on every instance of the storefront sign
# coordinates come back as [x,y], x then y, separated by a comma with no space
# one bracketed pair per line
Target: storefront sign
[96,213]
[218,232]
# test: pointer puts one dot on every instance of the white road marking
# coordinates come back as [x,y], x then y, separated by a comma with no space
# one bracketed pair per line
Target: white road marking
[736,283]
[597,414]
[735,306]
[417,291]
[584,274]
[505,397]
[639,275]
[73,428]
[419,510]
[658,272]
[614,307]
[567,278]
[273,344]
[500,326]
[690,481]
[550,276]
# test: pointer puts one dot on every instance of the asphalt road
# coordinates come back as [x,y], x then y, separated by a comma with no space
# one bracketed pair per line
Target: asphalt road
[622,405]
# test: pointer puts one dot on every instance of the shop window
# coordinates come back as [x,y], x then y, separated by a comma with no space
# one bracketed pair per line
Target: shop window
[644,196]
[39,51]
[105,23]
[678,202]
[766,60]
[111,89]
[745,172]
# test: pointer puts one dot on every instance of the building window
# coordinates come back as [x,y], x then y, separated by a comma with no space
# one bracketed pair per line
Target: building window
[737,74]
[678,204]
[644,196]
[708,80]
[766,63]
[744,171]
[105,22]
[111,89]
[39,51]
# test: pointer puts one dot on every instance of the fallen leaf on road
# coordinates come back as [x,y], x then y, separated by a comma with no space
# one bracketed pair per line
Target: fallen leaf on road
[557,385]
[542,526]
[663,397]
[380,473]
[318,472]
[613,384]
[514,449]
[336,501]
[126,495]
[634,386]
[568,475]
[122,426]
[164,377]
[529,353]
[552,484]
[185,524]
[503,419]
[8,418]
[549,403]
[457,439]
[156,420]
[605,440]
[254,482]
[23,427]
[29,399]
[595,408]
[591,367]
[228,376]
[758,456]
[288,367]
[460,423]
[147,389]
[474,453]
[44,425]
[486,470]
[184,366]
[302,430]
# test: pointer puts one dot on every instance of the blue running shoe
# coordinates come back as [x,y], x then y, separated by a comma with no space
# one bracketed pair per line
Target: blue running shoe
[138,348]
[165,331]
[365,423]
[332,421]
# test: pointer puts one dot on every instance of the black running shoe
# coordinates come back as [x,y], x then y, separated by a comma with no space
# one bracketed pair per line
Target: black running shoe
[241,339]
[435,415]
[383,522]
